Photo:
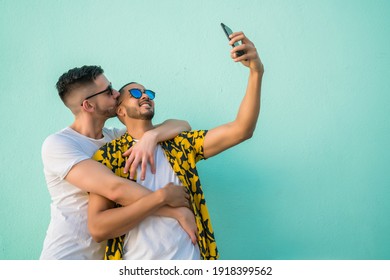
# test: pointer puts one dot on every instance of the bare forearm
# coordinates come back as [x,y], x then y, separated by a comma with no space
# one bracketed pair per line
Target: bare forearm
[167,211]
[93,177]
[129,192]
[104,221]
[249,110]
[111,223]
[169,129]
[114,222]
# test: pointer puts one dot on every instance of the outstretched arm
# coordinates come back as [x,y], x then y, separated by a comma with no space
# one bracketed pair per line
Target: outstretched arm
[230,134]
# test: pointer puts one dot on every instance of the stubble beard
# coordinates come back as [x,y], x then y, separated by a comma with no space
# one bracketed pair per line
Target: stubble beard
[147,116]
[108,113]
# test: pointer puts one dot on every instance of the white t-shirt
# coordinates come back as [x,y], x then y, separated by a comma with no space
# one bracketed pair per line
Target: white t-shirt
[67,236]
[159,238]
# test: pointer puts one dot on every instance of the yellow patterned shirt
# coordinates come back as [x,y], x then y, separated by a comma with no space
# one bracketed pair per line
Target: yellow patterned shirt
[182,152]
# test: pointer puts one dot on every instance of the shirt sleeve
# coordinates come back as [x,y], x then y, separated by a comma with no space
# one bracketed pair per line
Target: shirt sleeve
[60,154]
[196,138]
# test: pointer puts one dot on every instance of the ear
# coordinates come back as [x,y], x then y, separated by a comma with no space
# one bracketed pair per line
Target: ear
[120,111]
[88,106]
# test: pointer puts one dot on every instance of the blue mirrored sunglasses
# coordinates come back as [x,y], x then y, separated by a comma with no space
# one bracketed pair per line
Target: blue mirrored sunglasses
[137,93]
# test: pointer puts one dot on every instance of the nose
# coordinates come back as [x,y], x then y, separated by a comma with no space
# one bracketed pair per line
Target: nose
[115,93]
[144,95]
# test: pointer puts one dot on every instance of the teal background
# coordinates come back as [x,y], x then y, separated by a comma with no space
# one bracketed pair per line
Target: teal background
[312,183]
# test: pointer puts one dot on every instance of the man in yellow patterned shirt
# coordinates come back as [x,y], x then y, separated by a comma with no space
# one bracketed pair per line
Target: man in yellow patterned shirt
[154,237]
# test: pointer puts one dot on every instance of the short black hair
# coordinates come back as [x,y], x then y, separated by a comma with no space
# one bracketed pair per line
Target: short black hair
[121,89]
[76,77]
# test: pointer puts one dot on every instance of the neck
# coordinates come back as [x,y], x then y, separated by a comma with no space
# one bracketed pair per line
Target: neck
[89,127]
[137,128]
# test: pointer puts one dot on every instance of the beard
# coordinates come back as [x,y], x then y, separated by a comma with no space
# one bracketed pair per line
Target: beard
[107,112]
[135,114]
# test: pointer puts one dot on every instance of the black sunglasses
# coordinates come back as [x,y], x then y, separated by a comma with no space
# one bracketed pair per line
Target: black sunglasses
[108,89]
[137,93]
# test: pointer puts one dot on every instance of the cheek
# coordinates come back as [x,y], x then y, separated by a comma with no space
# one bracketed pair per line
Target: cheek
[130,110]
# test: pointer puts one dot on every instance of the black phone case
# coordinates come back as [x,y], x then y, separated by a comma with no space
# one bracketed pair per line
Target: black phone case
[228,31]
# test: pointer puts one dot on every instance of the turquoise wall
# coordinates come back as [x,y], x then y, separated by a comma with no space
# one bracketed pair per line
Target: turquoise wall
[312,183]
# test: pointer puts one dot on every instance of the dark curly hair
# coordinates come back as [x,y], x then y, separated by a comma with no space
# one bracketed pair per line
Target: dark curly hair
[76,77]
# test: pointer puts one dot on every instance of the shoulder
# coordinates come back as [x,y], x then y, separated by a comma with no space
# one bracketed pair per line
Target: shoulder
[188,139]
[60,138]
[63,148]
[187,142]
[191,136]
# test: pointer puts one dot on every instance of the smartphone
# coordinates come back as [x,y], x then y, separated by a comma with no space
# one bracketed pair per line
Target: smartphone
[228,31]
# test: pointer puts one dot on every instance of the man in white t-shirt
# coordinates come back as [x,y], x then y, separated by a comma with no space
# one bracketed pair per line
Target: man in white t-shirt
[160,237]
[71,174]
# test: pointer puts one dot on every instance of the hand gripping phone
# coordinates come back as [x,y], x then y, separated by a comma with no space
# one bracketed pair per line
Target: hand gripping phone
[228,31]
